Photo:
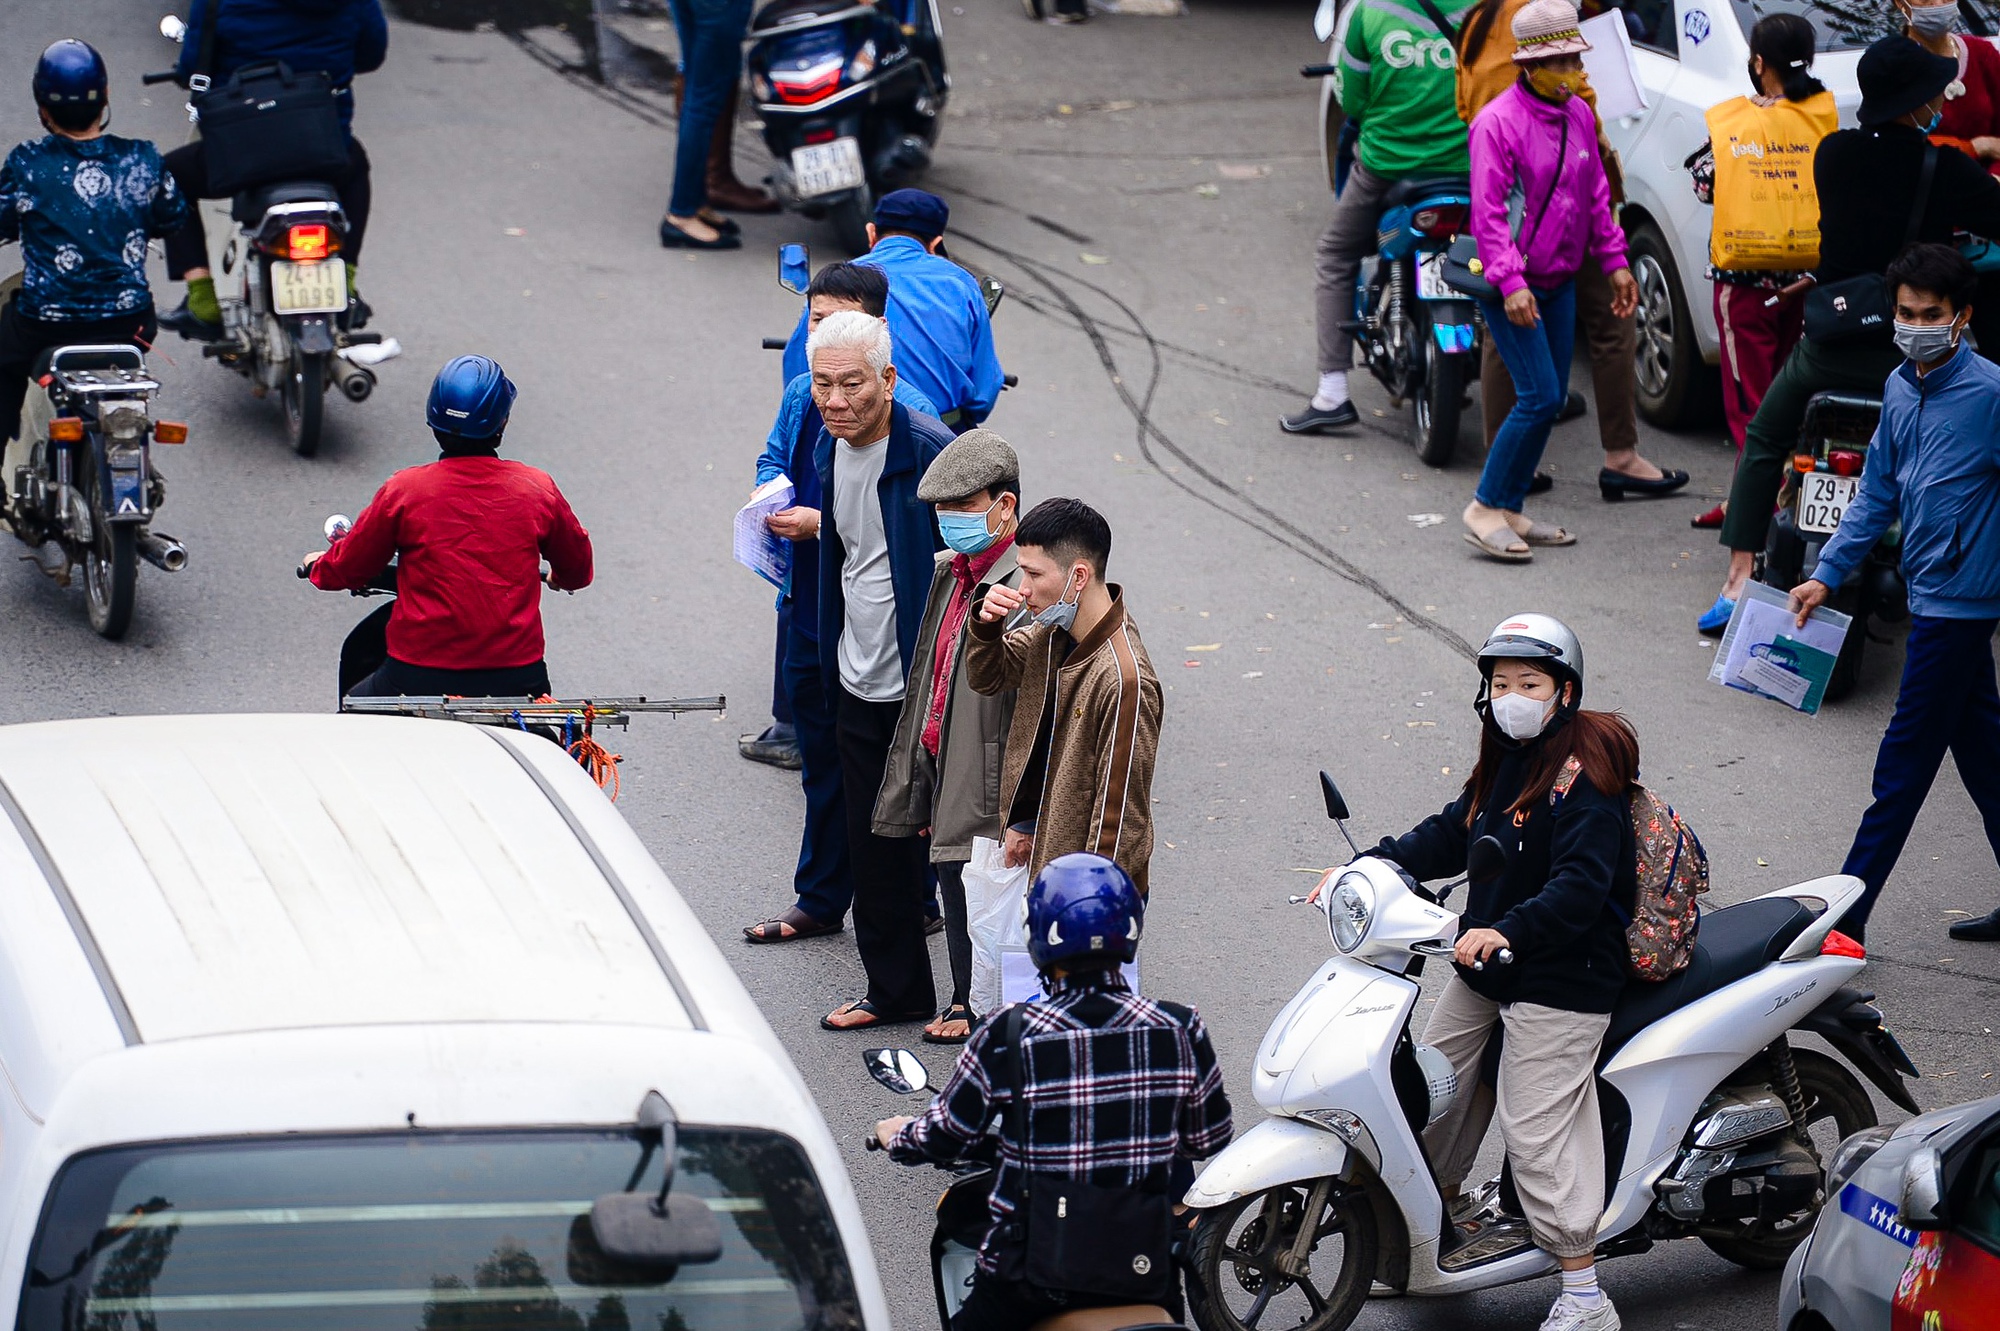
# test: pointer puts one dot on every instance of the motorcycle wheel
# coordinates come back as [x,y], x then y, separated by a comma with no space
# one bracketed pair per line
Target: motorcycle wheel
[851,217]
[1236,1250]
[110,572]
[304,394]
[1836,1108]
[1438,402]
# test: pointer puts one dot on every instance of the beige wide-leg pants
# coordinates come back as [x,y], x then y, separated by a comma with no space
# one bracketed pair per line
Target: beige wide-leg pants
[1547,1105]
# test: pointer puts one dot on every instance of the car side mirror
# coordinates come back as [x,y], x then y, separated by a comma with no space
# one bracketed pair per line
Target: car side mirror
[657,1233]
[794,268]
[1922,1204]
[1486,860]
[991,290]
[1336,807]
[898,1069]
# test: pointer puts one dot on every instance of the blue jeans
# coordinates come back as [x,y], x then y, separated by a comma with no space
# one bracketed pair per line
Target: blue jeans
[1538,361]
[711,36]
[1948,701]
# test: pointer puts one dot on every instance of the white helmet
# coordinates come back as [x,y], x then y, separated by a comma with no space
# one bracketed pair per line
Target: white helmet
[1535,637]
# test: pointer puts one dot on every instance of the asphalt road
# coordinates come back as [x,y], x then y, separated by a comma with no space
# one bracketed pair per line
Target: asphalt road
[1149,190]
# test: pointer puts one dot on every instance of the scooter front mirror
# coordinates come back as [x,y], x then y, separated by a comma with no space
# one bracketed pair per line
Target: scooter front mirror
[336,527]
[991,289]
[794,268]
[898,1069]
[1336,807]
[1486,860]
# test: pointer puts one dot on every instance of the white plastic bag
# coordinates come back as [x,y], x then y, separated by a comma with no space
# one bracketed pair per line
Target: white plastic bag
[993,896]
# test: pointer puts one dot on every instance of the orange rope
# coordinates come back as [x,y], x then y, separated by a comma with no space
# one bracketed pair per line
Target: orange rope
[600,762]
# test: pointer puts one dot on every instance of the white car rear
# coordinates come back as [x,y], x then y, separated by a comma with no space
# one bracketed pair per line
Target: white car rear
[346,1021]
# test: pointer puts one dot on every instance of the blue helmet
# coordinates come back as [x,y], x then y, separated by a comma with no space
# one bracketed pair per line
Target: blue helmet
[1082,906]
[470,398]
[70,76]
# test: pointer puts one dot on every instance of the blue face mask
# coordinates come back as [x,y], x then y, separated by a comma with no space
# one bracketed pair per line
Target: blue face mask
[967,533]
[1937,118]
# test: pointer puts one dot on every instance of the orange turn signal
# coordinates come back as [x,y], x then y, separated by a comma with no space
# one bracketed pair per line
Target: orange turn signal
[170,432]
[66,429]
[1803,462]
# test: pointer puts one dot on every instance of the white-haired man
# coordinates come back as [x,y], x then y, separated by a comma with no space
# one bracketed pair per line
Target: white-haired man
[882,540]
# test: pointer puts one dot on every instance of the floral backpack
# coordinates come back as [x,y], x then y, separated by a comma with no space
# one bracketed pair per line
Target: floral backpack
[1673,873]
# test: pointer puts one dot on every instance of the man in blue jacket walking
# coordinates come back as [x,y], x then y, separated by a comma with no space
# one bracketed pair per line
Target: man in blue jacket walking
[1935,463]
[338,38]
[878,543]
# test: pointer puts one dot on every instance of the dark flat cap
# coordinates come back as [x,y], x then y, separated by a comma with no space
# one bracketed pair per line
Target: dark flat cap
[1897,76]
[978,460]
[916,211]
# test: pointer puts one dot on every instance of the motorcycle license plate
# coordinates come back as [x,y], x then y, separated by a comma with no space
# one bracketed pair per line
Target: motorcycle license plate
[319,287]
[1430,279]
[1823,498]
[822,168]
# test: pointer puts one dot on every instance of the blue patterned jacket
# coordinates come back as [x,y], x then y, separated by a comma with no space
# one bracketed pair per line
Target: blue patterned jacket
[83,211]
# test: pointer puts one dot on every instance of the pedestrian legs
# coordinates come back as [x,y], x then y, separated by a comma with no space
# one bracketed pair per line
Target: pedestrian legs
[888,871]
[711,62]
[1537,359]
[1756,340]
[823,878]
[1947,702]
[957,935]
[781,702]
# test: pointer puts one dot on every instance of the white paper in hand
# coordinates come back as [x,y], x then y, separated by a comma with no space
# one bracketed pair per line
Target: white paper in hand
[758,549]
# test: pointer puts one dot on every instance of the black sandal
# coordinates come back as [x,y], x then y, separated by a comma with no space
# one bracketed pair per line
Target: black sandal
[867,1009]
[956,1012]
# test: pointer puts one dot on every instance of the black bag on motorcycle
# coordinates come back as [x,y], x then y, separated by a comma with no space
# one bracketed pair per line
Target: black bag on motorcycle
[1080,1238]
[1863,307]
[265,123]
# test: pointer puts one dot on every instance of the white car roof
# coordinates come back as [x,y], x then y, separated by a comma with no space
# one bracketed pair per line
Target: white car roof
[255,873]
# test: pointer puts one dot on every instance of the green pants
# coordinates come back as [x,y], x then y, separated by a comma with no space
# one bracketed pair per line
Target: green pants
[1861,367]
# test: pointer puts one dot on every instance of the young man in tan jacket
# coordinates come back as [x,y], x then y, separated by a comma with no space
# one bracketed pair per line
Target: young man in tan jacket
[943,775]
[1077,773]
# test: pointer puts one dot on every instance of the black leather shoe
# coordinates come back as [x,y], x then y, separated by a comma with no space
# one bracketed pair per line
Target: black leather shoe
[673,238]
[1985,929]
[1541,483]
[1615,485]
[778,746]
[1574,408]
[182,321]
[1314,421]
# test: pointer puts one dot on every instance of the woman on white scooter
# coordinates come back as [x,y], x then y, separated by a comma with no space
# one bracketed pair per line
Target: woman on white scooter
[1552,785]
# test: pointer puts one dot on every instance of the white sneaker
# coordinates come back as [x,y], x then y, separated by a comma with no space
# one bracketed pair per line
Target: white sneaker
[1569,1315]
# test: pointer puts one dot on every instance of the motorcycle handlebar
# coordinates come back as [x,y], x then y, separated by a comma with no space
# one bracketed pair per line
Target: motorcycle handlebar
[1504,957]
[873,1143]
[162,76]
[1315,71]
[774,344]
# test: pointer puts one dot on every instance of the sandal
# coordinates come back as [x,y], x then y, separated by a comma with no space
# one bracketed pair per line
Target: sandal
[956,1014]
[1541,533]
[1500,543]
[794,924]
[862,1008]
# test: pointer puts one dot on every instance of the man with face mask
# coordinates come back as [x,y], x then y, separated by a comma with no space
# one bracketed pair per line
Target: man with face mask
[1935,464]
[1872,181]
[1077,774]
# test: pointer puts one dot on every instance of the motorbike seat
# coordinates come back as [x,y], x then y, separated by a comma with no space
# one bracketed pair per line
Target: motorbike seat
[1405,192]
[1130,1317]
[252,204]
[1734,942]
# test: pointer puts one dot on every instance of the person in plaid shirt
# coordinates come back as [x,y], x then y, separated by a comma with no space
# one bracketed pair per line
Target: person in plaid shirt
[1121,1090]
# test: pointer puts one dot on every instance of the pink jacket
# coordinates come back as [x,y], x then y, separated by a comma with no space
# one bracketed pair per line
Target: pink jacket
[1514,139]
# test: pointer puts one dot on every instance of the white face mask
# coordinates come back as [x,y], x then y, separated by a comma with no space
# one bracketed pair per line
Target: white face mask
[1519,716]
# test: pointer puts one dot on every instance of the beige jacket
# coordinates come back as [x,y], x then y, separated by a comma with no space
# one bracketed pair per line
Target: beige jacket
[1097,791]
[957,793]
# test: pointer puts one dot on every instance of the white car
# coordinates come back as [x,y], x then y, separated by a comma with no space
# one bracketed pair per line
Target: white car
[356,1022]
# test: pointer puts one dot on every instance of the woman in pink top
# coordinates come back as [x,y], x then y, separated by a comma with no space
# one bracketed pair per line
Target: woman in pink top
[1541,208]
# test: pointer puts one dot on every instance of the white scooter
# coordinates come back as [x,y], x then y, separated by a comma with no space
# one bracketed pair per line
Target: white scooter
[1715,1126]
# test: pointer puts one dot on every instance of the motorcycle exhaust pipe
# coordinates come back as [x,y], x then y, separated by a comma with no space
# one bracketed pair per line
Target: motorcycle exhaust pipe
[355,382]
[162,552]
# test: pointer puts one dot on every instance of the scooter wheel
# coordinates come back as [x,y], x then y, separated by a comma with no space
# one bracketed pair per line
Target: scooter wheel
[1237,1283]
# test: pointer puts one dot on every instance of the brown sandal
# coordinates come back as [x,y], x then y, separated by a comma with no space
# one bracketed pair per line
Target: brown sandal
[793,925]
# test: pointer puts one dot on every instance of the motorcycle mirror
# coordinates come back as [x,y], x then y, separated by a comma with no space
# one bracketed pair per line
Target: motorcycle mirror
[172,28]
[1336,807]
[992,290]
[794,268]
[1486,860]
[898,1069]
[336,527]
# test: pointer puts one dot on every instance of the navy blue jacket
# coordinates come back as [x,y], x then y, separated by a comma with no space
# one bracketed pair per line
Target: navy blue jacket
[915,440]
[1935,463]
[83,211]
[339,38]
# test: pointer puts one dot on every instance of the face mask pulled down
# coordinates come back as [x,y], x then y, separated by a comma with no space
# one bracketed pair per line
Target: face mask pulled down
[1520,717]
[1925,343]
[1063,613]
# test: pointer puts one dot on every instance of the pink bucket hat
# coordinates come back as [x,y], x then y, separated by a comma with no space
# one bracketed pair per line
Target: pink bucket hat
[1544,28]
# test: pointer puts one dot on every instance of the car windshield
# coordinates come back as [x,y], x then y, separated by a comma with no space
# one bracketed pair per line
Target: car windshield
[1849,25]
[426,1232]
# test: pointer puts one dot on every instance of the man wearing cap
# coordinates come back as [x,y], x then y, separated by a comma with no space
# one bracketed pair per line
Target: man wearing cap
[937,316]
[944,765]
[1871,182]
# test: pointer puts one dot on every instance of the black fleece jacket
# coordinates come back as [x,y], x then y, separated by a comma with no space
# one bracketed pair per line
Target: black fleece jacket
[1867,182]
[1569,887]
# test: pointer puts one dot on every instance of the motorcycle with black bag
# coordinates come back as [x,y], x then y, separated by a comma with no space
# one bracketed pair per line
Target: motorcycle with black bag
[272,137]
[1102,1244]
[852,97]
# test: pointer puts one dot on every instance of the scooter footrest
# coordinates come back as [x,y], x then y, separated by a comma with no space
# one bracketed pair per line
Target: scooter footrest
[1495,1239]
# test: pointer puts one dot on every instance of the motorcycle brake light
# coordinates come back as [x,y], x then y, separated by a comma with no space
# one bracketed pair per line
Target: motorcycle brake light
[824,134]
[308,241]
[1845,462]
[1838,944]
[1804,462]
[66,429]
[1444,219]
[170,432]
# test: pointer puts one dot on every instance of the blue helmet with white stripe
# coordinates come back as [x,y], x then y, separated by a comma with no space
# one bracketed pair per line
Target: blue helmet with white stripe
[471,398]
[1083,909]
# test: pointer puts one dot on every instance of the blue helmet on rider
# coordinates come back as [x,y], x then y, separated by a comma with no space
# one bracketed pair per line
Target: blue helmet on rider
[1083,910]
[470,399]
[70,83]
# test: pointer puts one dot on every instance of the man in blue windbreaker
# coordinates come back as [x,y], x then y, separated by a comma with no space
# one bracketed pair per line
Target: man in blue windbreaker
[338,38]
[1935,463]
